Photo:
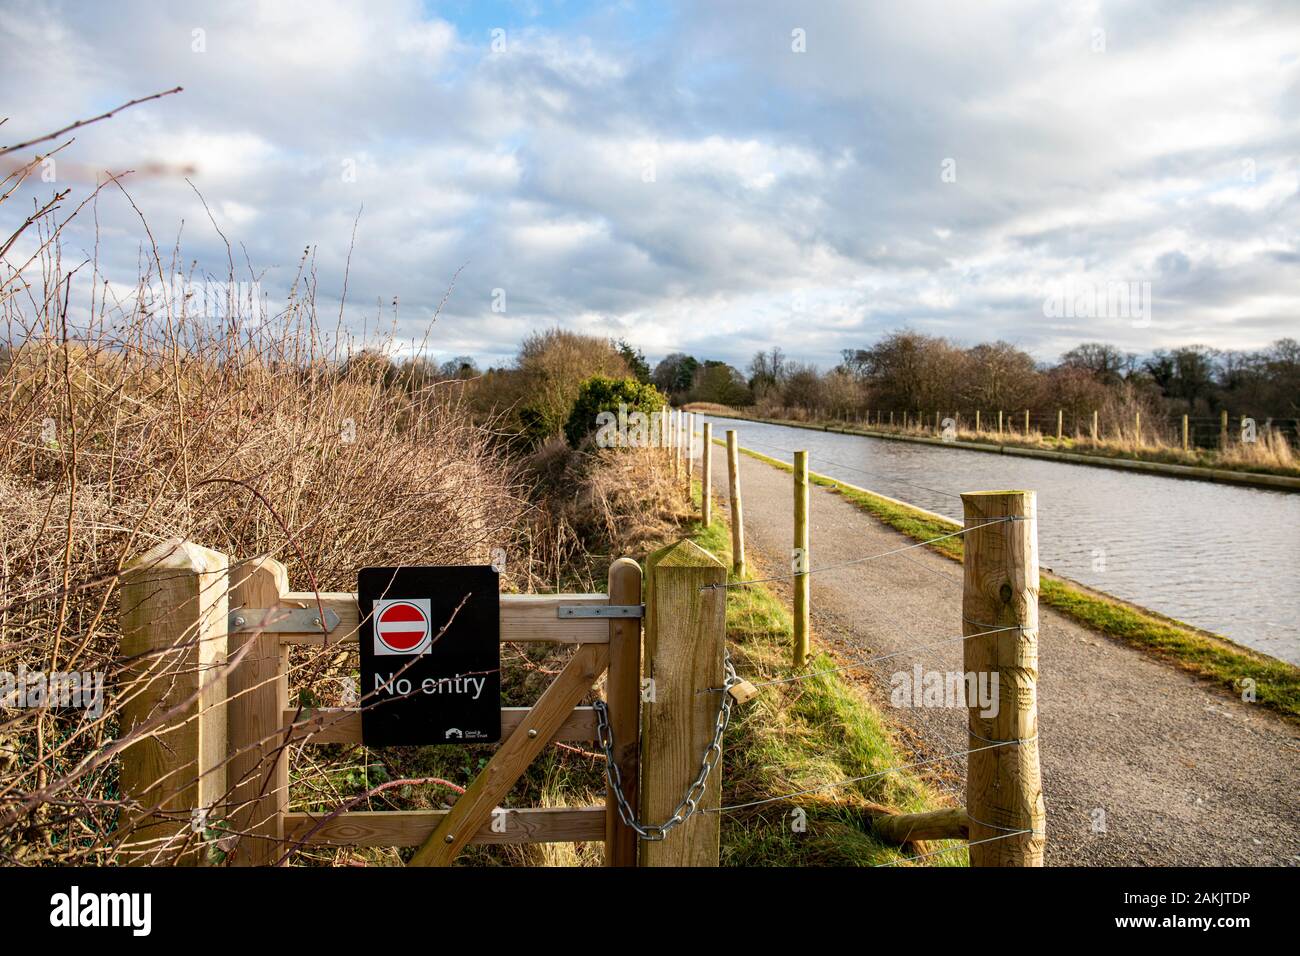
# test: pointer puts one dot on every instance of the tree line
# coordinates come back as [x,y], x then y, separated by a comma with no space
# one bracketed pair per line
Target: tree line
[532,398]
[907,370]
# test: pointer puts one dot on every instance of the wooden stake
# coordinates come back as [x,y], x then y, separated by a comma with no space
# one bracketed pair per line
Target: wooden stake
[675,447]
[801,558]
[259,696]
[623,693]
[1003,782]
[977,421]
[690,449]
[1223,429]
[1060,423]
[1185,433]
[948,824]
[706,479]
[737,511]
[684,636]
[681,444]
[1094,425]
[174,605]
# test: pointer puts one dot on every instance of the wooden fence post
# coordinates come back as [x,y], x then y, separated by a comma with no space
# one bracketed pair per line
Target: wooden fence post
[1004,792]
[259,695]
[737,512]
[977,421]
[706,479]
[1137,427]
[684,637]
[1060,423]
[999,423]
[681,442]
[174,604]
[1223,429]
[623,697]
[1185,435]
[802,615]
[690,450]
[675,444]
[1095,433]
[1026,422]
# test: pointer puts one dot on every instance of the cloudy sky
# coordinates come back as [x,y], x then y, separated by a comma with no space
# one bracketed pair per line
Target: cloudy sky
[713,178]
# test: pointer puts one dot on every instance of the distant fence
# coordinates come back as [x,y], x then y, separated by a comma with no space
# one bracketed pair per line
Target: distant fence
[1186,431]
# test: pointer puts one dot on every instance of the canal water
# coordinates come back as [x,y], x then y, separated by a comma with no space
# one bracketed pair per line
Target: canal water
[1220,557]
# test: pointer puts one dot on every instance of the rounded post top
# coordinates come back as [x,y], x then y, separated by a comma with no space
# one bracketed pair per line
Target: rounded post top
[263,564]
[176,554]
[982,505]
[683,554]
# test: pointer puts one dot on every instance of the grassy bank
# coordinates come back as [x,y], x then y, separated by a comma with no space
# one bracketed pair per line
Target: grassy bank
[1270,463]
[803,735]
[1276,683]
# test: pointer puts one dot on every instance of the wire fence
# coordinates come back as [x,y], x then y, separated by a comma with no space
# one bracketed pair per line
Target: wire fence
[911,648]
[1203,431]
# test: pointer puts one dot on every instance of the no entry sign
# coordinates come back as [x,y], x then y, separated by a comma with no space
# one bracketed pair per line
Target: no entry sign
[430,655]
[403,627]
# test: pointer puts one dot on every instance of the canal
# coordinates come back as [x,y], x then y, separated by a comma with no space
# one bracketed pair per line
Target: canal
[1220,557]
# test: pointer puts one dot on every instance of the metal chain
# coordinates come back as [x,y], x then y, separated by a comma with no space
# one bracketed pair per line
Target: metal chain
[694,793]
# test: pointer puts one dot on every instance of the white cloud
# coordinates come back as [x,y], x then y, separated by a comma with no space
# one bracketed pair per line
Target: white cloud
[770,172]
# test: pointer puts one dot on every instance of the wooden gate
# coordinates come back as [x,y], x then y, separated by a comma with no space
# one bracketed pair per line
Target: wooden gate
[217,662]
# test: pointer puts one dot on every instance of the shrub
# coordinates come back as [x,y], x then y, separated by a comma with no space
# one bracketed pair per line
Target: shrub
[601,394]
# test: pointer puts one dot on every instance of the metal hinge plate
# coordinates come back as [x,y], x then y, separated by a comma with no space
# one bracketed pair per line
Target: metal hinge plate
[600,610]
[281,620]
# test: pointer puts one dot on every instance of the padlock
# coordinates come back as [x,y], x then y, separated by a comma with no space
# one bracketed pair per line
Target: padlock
[742,692]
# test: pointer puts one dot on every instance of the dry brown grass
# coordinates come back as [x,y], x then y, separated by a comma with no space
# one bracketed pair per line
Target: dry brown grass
[134,416]
[131,418]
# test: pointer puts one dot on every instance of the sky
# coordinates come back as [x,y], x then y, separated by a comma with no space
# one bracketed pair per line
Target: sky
[711,178]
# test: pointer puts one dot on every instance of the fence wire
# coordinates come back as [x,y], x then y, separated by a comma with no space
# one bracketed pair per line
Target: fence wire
[862,560]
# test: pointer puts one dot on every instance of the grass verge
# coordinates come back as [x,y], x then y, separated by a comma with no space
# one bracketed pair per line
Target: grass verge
[1276,684]
[803,735]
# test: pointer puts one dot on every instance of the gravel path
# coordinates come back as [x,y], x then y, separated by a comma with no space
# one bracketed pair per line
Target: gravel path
[1181,773]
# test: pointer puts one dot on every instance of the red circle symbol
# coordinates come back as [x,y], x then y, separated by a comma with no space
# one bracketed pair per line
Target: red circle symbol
[402,626]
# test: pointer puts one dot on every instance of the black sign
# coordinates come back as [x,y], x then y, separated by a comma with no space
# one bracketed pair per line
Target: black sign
[430,655]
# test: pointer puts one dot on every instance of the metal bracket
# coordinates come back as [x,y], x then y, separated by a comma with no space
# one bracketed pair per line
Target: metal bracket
[282,620]
[600,610]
